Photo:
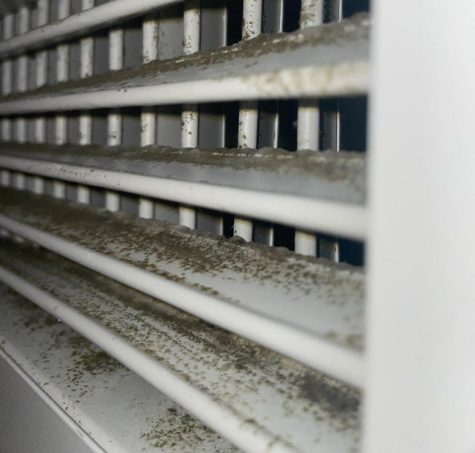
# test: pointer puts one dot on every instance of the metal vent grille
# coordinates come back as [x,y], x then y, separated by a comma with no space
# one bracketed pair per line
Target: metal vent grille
[165,194]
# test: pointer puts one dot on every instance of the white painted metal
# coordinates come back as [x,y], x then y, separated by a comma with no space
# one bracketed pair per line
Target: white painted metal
[38,185]
[19,181]
[116,49]
[6,77]
[248,112]
[59,189]
[311,13]
[264,233]
[40,77]
[87,56]
[86,44]
[83,194]
[333,118]
[6,129]
[22,61]
[252,19]
[7,25]
[311,326]
[5,178]
[328,247]
[6,125]
[88,392]
[20,129]
[62,51]
[308,121]
[23,399]
[191,44]
[316,352]
[86,69]
[148,119]
[243,228]
[313,70]
[5,175]
[82,23]
[40,129]
[278,5]
[62,65]
[208,373]
[150,39]
[343,216]
[39,137]
[41,68]
[114,128]
[190,116]
[247,137]
[421,365]
[187,216]
[42,18]
[19,79]
[42,12]
[39,123]
[22,73]
[308,130]
[337,10]
[114,118]
[286,315]
[305,243]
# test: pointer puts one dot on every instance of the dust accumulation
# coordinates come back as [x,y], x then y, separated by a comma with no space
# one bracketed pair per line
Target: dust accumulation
[86,370]
[348,167]
[208,263]
[264,392]
[232,370]
[356,28]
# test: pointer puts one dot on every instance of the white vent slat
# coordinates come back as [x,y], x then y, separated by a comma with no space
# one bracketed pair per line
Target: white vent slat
[321,61]
[87,389]
[309,310]
[318,191]
[79,24]
[222,379]
[164,194]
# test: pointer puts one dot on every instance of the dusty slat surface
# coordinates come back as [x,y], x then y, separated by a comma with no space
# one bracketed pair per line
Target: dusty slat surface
[339,177]
[306,409]
[317,296]
[79,24]
[319,61]
[119,410]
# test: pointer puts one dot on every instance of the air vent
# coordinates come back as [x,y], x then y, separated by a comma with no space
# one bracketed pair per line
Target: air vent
[183,189]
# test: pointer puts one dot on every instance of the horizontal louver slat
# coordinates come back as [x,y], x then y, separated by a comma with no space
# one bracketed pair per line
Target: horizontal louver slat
[251,395]
[88,389]
[260,336]
[310,310]
[324,191]
[101,16]
[321,61]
